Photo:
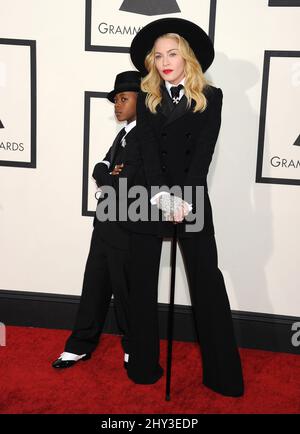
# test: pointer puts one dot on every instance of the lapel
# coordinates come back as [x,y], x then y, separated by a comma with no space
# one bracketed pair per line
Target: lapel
[170,111]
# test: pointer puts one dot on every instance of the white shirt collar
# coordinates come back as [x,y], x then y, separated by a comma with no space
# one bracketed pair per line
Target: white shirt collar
[127,128]
[169,85]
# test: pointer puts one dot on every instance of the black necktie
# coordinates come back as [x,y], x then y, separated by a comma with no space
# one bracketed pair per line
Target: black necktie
[119,137]
[117,145]
[121,134]
[175,91]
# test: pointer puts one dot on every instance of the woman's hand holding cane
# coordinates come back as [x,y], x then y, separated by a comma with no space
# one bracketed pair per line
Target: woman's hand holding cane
[174,208]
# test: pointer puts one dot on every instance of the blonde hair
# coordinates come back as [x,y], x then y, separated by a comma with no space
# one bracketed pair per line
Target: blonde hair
[195,80]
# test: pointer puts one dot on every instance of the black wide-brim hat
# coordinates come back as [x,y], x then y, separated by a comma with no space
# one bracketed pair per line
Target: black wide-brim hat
[127,81]
[198,40]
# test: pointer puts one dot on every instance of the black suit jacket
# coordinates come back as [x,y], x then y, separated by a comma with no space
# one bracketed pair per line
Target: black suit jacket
[112,232]
[177,146]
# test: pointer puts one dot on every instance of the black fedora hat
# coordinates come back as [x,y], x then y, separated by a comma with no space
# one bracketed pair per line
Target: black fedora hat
[198,40]
[125,82]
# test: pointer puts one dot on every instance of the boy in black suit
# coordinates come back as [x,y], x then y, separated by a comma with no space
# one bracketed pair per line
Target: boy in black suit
[108,262]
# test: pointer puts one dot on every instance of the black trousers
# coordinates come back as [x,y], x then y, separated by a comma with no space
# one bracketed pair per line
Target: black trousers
[221,363]
[106,273]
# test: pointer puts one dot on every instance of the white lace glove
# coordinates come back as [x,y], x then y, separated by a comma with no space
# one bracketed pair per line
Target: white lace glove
[98,193]
[174,208]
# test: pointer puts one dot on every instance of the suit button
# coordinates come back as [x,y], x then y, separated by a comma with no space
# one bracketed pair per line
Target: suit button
[164,168]
[188,151]
[188,135]
[164,152]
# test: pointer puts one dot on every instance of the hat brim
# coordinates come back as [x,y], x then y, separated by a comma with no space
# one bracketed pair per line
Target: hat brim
[124,87]
[198,40]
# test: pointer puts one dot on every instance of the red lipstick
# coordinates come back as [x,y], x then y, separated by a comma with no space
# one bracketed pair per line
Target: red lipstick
[167,71]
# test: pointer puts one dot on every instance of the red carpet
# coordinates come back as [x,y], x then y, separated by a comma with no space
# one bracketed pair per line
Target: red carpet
[30,385]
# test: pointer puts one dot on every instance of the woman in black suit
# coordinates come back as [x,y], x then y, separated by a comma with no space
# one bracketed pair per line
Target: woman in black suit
[178,122]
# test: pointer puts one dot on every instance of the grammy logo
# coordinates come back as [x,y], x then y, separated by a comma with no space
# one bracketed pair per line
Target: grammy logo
[297,142]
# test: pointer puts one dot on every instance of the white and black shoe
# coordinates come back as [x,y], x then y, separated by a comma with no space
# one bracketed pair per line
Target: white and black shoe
[66,360]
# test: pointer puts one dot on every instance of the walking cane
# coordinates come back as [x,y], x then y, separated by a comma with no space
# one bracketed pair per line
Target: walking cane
[171,311]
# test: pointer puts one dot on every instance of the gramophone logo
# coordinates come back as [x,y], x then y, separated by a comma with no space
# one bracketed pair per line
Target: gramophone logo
[278,157]
[297,142]
[111,26]
[284,166]
[150,7]
[285,161]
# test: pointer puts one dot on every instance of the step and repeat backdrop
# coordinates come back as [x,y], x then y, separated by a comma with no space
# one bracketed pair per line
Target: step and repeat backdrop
[58,60]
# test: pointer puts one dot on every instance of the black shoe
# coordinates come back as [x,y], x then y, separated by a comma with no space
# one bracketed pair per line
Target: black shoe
[146,378]
[59,363]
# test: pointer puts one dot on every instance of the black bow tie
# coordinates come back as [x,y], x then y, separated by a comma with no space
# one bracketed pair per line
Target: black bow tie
[175,91]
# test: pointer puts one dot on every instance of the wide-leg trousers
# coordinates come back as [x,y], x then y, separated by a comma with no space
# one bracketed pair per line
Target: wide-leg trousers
[106,273]
[221,364]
